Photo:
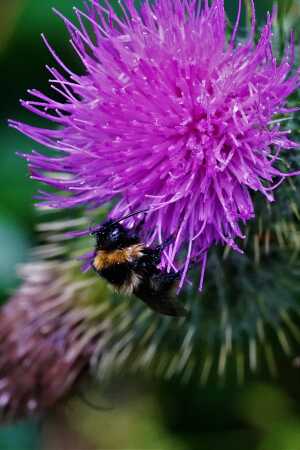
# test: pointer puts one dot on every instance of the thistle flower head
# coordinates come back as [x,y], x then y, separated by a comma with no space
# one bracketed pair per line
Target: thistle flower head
[170,114]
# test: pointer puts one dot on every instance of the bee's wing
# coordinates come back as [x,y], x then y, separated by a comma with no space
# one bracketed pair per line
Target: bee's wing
[168,306]
[158,292]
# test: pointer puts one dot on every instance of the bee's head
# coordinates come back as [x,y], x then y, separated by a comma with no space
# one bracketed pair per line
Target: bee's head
[109,236]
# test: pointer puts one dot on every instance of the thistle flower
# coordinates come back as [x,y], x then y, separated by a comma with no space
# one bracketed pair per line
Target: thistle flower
[48,333]
[171,115]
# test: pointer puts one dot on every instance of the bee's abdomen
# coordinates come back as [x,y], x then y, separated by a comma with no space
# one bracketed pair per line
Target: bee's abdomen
[116,274]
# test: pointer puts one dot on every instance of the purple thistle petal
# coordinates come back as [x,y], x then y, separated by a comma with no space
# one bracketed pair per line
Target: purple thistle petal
[170,115]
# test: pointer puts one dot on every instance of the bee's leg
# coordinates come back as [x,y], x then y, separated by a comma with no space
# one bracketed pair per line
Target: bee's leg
[160,248]
[155,253]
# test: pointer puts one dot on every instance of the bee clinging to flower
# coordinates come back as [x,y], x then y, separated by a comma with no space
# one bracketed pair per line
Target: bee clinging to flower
[132,267]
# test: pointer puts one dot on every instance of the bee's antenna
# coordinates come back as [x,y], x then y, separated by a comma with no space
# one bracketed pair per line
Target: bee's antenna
[94,230]
[130,215]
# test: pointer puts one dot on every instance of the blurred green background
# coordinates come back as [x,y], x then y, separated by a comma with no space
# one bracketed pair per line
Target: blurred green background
[262,415]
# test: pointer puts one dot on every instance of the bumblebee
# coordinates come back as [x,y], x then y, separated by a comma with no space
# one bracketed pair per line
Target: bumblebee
[132,268]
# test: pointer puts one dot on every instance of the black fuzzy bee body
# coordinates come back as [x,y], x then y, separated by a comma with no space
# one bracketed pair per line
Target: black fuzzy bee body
[132,268]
